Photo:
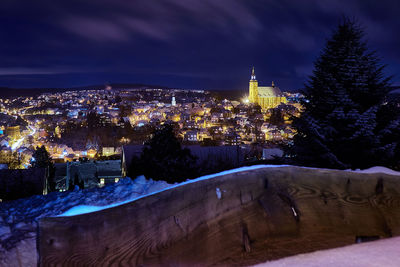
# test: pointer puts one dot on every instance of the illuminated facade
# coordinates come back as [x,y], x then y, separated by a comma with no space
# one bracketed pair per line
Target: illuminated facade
[13,132]
[267,97]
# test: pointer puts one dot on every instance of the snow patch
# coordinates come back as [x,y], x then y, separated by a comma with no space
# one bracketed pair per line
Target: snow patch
[376,253]
[294,212]
[18,218]
[379,169]
[219,194]
[87,209]
[81,210]
[4,231]
[142,188]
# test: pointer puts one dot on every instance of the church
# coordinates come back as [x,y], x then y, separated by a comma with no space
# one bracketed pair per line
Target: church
[266,96]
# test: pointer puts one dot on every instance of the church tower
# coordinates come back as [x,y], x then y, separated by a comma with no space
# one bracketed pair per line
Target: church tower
[253,88]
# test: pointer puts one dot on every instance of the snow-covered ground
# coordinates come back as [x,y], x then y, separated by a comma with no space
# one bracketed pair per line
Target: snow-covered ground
[379,169]
[18,219]
[370,254]
[82,209]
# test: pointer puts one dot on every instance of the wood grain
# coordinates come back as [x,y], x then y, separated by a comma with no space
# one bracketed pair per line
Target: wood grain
[262,214]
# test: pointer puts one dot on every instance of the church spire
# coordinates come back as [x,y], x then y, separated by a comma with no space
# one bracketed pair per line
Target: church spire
[253,74]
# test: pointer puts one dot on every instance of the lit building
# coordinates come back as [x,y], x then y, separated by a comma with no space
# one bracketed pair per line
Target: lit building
[108,151]
[13,132]
[91,152]
[232,139]
[5,155]
[192,136]
[267,97]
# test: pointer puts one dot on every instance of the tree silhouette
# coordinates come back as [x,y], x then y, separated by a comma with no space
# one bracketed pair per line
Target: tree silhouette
[41,159]
[345,117]
[164,159]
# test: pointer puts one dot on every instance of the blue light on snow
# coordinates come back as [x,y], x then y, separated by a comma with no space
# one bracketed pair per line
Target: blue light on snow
[82,209]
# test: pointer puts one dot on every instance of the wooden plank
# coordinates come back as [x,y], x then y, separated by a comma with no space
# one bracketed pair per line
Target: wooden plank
[260,215]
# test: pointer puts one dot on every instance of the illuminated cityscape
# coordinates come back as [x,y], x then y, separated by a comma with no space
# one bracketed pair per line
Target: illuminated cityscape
[199,133]
[49,120]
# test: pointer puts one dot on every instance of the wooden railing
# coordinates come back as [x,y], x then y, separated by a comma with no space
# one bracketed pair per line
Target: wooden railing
[236,219]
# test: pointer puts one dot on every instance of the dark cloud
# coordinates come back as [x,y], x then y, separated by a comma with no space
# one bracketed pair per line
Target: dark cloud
[190,43]
[161,20]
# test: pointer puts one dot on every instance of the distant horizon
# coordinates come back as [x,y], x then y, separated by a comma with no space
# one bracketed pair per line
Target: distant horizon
[70,83]
[63,81]
[128,84]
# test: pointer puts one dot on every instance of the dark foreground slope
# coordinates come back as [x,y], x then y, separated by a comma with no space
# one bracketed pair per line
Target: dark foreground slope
[235,219]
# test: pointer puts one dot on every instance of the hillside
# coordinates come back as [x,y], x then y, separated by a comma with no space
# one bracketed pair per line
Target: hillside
[7,92]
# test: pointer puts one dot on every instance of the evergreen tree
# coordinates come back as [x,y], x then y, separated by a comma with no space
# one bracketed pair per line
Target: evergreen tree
[164,159]
[346,121]
[41,159]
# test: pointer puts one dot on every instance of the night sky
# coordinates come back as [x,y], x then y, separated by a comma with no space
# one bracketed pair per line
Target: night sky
[206,44]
